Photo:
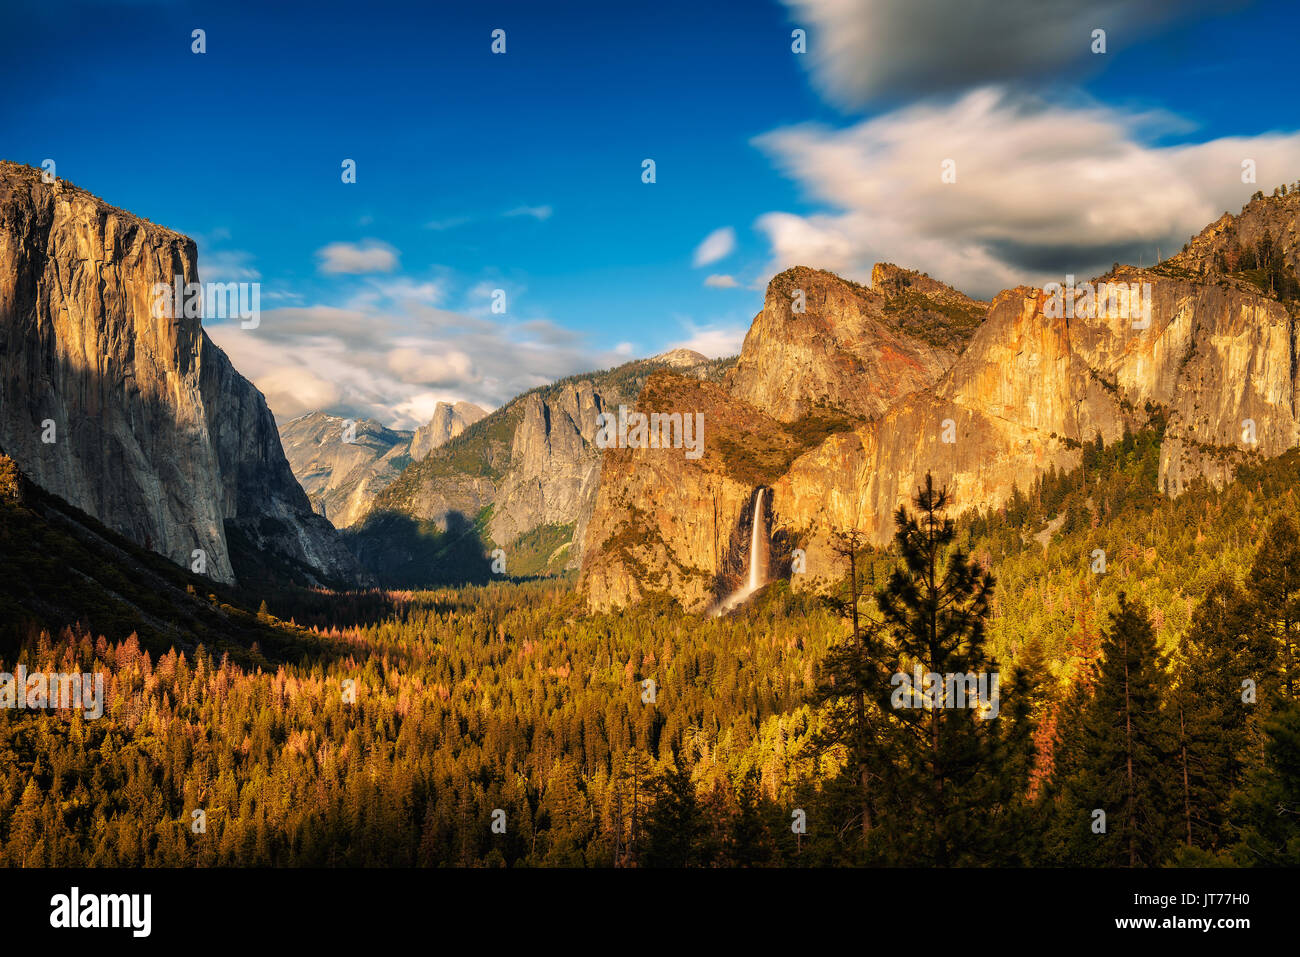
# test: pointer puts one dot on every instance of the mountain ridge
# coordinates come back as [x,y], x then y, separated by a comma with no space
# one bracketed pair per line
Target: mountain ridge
[1215,359]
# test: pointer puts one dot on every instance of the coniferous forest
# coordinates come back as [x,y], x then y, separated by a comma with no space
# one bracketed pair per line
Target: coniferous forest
[1148,711]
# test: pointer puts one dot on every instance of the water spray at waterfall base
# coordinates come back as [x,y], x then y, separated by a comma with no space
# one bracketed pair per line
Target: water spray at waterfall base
[755,579]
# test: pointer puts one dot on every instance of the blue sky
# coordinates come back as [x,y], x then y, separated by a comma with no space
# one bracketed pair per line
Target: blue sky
[522,171]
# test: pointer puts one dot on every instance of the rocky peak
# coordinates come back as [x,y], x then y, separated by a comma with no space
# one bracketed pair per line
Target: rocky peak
[1267,225]
[343,463]
[822,341]
[681,358]
[1213,356]
[448,421]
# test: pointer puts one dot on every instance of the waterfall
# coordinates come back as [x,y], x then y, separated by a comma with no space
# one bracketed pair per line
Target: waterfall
[755,563]
[753,544]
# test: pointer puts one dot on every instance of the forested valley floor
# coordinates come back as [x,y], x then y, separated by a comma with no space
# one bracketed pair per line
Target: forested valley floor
[1148,708]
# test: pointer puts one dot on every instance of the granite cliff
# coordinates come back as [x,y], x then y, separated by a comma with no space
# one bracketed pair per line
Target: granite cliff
[137,419]
[1206,345]
[523,478]
[343,464]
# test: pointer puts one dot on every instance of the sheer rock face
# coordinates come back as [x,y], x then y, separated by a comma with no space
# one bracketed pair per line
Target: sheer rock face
[534,461]
[554,463]
[341,477]
[447,422]
[851,348]
[1217,359]
[342,464]
[667,524]
[155,433]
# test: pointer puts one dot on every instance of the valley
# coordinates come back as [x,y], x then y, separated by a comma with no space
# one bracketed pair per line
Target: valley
[351,645]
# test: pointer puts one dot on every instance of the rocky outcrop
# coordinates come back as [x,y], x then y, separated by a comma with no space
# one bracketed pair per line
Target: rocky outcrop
[1030,389]
[342,464]
[669,525]
[1213,355]
[554,463]
[138,420]
[529,467]
[1267,226]
[824,342]
[448,421]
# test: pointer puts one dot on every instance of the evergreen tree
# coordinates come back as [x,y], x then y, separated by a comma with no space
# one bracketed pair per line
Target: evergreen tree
[1210,718]
[942,751]
[1125,753]
[1023,701]
[1274,591]
[1267,811]
[853,682]
[749,843]
[674,827]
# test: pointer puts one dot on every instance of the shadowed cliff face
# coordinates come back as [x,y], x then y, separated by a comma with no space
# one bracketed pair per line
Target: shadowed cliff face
[526,473]
[154,432]
[343,464]
[1215,358]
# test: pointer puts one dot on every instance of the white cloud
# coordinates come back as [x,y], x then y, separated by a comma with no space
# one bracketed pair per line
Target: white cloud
[714,341]
[717,281]
[385,360]
[449,223]
[445,369]
[862,50]
[227,265]
[537,212]
[717,245]
[1041,189]
[293,390]
[367,256]
[404,290]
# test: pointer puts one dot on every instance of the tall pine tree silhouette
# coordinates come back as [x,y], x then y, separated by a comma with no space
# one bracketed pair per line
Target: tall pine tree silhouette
[1211,718]
[1274,589]
[1127,752]
[852,683]
[933,611]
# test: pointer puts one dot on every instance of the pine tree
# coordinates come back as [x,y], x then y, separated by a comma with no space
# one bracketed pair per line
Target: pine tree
[1024,699]
[674,828]
[749,842]
[1126,752]
[933,611]
[1274,590]
[1267,811]
[1211,717]
[852,683]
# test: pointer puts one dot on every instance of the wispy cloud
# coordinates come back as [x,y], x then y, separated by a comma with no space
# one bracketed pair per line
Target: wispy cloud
[450,222]
[865,50]
[390,358]
[367,256]
[719,281]
[714,340]
[717,245]
[537,212]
